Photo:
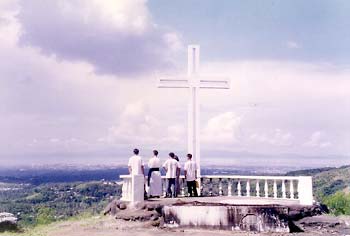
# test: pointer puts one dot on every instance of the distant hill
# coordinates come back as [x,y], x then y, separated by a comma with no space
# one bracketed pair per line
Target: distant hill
[327,181]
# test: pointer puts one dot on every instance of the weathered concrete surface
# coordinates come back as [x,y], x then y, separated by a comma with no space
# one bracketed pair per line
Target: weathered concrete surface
[257,218]
[215,213]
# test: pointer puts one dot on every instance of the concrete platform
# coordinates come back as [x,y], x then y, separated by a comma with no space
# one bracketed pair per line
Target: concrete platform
[222,212]
[226,200]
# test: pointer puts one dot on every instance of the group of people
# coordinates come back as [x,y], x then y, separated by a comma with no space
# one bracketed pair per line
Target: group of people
[172,168]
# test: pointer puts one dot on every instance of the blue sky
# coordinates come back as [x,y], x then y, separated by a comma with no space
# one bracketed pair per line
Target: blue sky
[77,80]
[236,30]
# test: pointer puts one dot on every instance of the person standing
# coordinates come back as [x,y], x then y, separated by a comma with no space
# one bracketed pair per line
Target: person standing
[191,175]
[171,167]
[136,167]
[177,180]
[135,164]
[154,178]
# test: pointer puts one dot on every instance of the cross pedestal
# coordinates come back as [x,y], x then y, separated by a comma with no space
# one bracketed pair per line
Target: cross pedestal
[194,82]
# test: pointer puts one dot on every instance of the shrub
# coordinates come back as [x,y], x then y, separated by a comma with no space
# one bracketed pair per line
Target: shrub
[338,203]
[45,216]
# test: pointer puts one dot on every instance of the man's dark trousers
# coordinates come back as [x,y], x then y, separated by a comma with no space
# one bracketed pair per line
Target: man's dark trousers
[192,189]
[171,182]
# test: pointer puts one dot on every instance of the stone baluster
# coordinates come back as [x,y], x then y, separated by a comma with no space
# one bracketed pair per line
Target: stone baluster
[125,189]
[182,187]
[266,187]
[257,187]
[283,189]
[164,184]
[291,189]
[229,188]
[274,189]
[129,188]
[248,188]
[239,188]
[210,187]
[220,187]
[201,187]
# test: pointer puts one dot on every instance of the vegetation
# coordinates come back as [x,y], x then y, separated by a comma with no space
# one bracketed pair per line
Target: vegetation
[327,181]
[331,187]
[338,203]
[47,229]
[43,204]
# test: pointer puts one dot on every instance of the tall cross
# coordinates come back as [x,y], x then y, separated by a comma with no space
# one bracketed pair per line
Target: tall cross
[194,82]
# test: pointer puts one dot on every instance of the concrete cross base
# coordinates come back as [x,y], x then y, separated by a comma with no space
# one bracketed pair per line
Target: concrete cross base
[228,217]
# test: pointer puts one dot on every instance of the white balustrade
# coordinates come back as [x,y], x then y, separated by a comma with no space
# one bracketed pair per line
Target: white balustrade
[229,188]
[274,188]
[221,192]
[291,189]
[239,188]
[300,195]
[248,188]
[266,189]
[183,187]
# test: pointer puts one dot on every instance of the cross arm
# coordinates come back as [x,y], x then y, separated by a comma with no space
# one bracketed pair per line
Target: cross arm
[173,82]
[216,83]
[197,81]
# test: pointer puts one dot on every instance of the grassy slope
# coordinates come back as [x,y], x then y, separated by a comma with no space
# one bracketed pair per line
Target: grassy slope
[327,181]
[44,230]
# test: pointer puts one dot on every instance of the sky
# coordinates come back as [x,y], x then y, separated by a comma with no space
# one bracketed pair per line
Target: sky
[78,80]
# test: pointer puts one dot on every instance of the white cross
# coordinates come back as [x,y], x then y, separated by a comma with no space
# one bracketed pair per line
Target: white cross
[194,82]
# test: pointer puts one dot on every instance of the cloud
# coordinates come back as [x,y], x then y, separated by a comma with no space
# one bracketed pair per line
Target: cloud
[317,140]
[222,128]
[137,126]
[116,37]
[134,125]
[293,45]
[276,138]
[43,96]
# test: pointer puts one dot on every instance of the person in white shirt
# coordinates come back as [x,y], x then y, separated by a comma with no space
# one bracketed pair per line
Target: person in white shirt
[171,167]
[154,177]
[136,164]
[191,175]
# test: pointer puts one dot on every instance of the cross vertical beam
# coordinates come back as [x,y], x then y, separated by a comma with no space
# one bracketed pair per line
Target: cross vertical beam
[193,139]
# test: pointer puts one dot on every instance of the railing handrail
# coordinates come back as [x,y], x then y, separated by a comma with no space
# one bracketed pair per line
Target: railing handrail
[237,177]
[250,177]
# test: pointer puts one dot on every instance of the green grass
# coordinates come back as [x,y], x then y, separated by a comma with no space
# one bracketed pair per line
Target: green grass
[338,203]
[86,218]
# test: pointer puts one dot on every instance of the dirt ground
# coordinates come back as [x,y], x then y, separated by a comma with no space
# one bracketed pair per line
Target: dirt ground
[108,226]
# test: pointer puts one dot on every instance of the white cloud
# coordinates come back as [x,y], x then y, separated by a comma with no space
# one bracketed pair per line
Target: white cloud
[276,138]
[174,41]
[293,45]
[136,125]
[115,37]
[54,140]
[175,134]
[222,128]
[317,140]
[47,97]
